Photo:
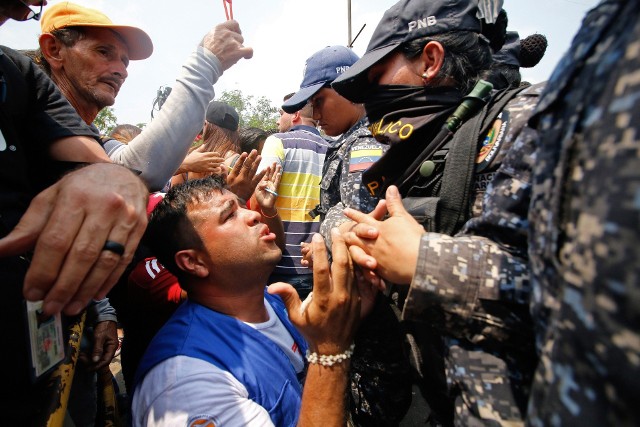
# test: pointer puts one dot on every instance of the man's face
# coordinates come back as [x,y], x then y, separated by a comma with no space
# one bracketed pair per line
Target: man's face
[284,121]
[333,113]
[95,67]
[233,236]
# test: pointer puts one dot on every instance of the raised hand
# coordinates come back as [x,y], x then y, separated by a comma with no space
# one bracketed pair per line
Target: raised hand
[307,254]
[201,161]
[243,177]
[330,320]
[266,192]
[67,226]
[225,41]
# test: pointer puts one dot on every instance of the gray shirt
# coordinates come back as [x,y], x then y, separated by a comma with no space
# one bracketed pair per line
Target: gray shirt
[160,149]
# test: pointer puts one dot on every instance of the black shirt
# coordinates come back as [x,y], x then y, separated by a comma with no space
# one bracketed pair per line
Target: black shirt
[33,114]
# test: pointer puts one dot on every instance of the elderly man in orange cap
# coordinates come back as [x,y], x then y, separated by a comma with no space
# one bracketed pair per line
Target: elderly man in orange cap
[87,55]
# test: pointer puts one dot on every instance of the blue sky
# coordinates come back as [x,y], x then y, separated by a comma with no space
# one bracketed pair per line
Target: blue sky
[283,34]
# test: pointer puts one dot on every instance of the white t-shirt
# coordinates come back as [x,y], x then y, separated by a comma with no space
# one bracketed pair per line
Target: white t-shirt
[186,391]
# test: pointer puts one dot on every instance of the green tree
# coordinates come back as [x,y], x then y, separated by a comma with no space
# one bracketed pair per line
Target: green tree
[106,120]
[253,112]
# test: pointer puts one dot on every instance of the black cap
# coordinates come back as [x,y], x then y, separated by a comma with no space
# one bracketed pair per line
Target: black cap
[223,115]
[510,52]
[406,20]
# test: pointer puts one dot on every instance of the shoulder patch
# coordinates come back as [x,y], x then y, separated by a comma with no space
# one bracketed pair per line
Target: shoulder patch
[493,141]
[202,420]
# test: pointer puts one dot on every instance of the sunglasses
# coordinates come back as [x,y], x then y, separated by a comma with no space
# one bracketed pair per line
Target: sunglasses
[21,11]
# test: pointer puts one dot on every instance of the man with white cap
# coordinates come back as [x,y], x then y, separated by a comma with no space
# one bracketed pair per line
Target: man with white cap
[87,55]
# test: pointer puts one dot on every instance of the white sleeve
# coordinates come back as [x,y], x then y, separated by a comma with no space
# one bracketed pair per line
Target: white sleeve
[182,390]
[162,146]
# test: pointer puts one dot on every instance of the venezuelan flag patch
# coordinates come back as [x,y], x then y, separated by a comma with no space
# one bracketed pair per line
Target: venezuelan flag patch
[363,157]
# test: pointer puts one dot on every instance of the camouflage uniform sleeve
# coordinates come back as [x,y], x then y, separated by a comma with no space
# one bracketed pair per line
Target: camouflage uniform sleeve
[476,284]
[362,153]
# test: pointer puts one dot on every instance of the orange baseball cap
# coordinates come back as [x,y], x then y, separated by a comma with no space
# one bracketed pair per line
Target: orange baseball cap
[66,14]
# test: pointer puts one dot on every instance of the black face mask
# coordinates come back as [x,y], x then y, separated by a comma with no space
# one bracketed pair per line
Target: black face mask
[399,113]
[407,118]
[399,100]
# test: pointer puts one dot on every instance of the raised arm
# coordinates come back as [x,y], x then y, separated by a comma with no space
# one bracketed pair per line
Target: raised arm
[160,149]
[329,324]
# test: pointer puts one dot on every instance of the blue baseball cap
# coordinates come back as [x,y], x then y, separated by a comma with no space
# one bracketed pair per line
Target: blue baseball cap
[321,69]
[405,21]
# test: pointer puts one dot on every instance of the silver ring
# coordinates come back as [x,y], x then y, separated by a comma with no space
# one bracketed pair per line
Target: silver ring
[114,247]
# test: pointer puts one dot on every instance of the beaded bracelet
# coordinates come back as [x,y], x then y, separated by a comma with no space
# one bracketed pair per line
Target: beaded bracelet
[329,359]
[267,216]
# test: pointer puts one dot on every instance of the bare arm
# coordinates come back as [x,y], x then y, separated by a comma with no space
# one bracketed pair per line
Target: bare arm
[160,149]
[329,324]
[78,149]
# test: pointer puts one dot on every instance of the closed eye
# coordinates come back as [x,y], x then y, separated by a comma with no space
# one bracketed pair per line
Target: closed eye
[228,211]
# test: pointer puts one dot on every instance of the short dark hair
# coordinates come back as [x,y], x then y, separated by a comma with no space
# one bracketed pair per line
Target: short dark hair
[251,137]
[170,230]
[69,36]
[467,54]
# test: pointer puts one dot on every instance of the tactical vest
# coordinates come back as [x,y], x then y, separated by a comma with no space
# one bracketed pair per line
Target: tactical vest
[441,200]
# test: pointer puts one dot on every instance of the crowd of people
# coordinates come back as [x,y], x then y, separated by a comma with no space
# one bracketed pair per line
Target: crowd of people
[424,239]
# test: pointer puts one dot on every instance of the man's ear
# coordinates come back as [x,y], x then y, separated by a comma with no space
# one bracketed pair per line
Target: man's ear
[296,118]
[51,50]
[190,262]
[432,59]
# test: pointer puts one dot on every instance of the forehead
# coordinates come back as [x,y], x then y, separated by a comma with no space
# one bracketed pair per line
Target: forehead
[321,93]
[106,36]
[212,205]
[325,94]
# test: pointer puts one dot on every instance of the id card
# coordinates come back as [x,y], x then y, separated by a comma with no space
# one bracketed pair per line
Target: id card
[45,338]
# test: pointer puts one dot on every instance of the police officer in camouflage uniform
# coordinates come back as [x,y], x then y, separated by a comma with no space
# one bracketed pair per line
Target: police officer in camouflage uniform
[380,388]
[468,301]
[354,150]
[585,233]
